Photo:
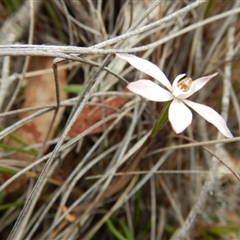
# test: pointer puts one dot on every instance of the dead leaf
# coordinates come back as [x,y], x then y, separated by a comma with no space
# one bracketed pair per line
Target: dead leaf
[39,91]
[90,115]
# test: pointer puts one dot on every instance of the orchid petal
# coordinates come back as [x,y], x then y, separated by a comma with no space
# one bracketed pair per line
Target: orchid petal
[211,116]
[179,116]
[200,82]
[146,67]
[150,90]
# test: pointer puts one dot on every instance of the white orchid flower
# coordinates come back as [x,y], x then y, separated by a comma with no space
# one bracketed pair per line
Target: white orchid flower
[179,114]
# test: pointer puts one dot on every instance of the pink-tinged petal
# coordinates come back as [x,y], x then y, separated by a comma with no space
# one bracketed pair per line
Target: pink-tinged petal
[179,116]
[146,67]
[200,82]
[150,90]
[211,116]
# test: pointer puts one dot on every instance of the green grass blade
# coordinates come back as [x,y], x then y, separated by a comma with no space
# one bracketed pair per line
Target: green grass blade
[9,205]
[17,149]
[56,21]
[138,208]
[73,88]
[7,170]
[220,230]
[126,230]
[114,230]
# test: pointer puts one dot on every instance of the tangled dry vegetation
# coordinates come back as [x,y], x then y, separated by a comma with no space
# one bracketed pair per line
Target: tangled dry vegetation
[69,133]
